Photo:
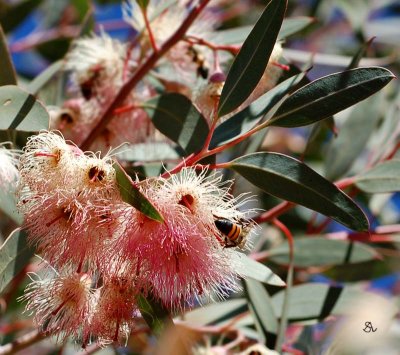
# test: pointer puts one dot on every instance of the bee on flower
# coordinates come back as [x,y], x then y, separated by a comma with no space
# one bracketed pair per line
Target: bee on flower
[183,259]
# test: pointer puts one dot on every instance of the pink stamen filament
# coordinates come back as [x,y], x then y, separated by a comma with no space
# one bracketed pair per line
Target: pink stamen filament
[116,331]
[48,224]
[44,154]
[60,306]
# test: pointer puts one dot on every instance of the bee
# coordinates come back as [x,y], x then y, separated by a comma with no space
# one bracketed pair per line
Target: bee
[235,234]
[200,61]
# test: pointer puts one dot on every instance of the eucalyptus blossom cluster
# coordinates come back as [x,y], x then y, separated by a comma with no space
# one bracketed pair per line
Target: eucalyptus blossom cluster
[102,253]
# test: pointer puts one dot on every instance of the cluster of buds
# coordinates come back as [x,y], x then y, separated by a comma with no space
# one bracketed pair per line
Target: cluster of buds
[104,253]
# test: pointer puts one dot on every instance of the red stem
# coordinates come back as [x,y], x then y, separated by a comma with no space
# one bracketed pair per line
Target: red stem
[140,73]
[215,47]
[274,212]
[22,342]
[148,27]
[285,230]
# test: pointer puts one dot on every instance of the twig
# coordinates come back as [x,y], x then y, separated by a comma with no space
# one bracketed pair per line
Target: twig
[22,342]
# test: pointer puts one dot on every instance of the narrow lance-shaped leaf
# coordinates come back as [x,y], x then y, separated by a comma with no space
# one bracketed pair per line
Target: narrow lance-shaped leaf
[329,95]
[176,117]
[131,194]
[320,251]
[14,256]
[13,15]
[257,271]
[237,35]
[7,72]
[246,119]
[216,312]
[143,3]
[293,25]
[353,136]
[384,177]
[355,61]
[261,307]
[44,77]
[250,63]
[291,180]
[155,315]
[21,111]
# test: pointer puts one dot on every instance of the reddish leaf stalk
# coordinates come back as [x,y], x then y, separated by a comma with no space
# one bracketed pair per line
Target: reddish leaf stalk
[215,47]
[140,73]
[149,30]
[289,282]
[274,212]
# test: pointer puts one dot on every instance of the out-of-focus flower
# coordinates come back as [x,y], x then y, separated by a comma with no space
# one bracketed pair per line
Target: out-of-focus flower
[183,56]
[9,173]
[62,304]
[97,64]
[206,96]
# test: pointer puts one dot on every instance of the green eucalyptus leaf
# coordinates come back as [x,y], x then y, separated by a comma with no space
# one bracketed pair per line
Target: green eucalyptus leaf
[216,312]
[175,116]
[293,25]
[155,314]
[7,72]
[143,3]
[14,256]
[384,177]
[8,204]
[246,119]
[355,61]
[317,301]
[250,63]
[352,138]
[131,194]
[12,16]
[21,111]
[238,35]
[44,77]
[320,251]
[329,95]
[82,7]
[257,271]
[55,49]
[260,305]
[291,180]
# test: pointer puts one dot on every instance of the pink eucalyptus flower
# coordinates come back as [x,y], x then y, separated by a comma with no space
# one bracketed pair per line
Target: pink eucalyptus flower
[62,304]
[48,162]
[116,311]
[66,230]
[183,258]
